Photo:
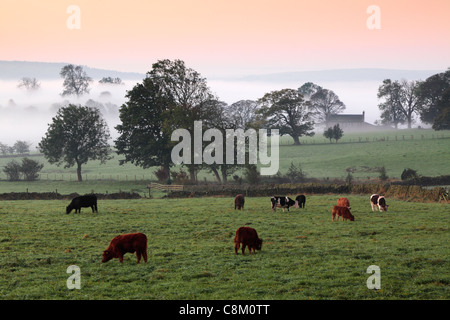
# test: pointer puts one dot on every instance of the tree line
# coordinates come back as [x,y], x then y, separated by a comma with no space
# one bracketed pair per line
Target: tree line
[173,96]
[429,99]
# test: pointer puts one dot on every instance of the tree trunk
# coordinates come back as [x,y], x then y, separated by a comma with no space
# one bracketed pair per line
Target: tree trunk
[80,178]
[296,140]
[224,174]
[216,174]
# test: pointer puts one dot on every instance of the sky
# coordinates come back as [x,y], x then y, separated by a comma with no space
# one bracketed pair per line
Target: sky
[233,37]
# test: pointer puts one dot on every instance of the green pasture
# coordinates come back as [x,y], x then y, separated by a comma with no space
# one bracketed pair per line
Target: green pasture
[191,252]
[426,151]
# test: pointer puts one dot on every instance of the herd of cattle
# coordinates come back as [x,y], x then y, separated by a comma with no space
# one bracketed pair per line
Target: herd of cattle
[247,236]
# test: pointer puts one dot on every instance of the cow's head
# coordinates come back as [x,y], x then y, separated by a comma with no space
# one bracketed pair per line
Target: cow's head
[352,217]
[107,255]
[258,244]
[382,204]
[69,209]
[290,202]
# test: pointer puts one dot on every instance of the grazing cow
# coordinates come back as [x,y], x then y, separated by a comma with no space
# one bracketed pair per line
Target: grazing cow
[380,201]
[300,201]
[343,202]
[343,212]
[131,242]
[83,201]
[281,202]
[248,237]
[239,201]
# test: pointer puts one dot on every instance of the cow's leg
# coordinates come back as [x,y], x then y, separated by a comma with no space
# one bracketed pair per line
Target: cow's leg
[236,248]
[144,254]
[138,256]
[243,248]
[121,258]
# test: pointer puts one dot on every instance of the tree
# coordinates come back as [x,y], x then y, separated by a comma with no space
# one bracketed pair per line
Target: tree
[442,120]
[252,174]
[324,103]
[76,81]
[110,80]
[434,96]
[190,99]
[171,97]
[286,109]
[30,84]
[334,132]
[401,101]
[4,148]
[242,113]
[145,127]
[295,173]
[76,135]
[308,89]
[12,170]
[30,169]
[22,147]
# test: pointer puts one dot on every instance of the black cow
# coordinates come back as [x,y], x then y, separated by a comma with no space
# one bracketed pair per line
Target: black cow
[281,202]
[83,201]
[300,201]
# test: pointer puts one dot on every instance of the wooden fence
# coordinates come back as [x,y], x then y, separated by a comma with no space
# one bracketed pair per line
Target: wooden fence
[165,187]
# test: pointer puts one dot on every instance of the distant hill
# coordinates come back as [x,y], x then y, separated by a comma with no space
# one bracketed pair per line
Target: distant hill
[15,70]
[342,75]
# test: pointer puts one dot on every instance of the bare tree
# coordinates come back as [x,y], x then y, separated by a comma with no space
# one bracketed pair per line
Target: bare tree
[30,84]
[76,81]
[324,103]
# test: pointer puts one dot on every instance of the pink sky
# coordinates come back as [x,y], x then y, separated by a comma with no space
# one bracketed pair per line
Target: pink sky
[229,37]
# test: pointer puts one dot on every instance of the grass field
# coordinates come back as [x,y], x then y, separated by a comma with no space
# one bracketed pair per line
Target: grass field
[427,151]
[191,253]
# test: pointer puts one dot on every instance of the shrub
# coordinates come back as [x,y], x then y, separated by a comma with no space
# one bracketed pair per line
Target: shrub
[252,174]
[295,173]
[12,170]
[162,175]
[383,176]
[30,169]
[409,174]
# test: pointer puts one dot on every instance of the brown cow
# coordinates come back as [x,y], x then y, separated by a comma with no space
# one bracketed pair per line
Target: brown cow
[248,237]
[343,212]
[343,202]
[239,201]
[132,242]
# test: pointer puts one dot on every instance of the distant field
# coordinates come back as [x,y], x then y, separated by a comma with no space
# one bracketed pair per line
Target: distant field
[304,255]
[426,151]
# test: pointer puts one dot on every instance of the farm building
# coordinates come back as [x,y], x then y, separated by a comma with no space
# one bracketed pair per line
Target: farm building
[350,122]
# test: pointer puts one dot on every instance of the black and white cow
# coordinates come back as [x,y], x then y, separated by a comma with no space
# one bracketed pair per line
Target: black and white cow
[380,201]
[300,201]
[281,202]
